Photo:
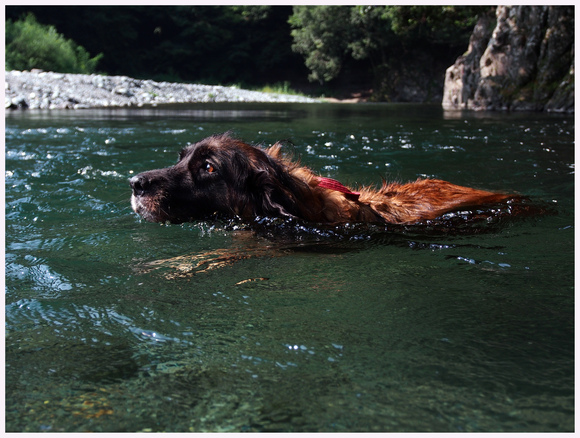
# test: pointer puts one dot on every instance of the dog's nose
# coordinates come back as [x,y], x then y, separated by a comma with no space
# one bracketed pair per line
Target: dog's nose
[139,184]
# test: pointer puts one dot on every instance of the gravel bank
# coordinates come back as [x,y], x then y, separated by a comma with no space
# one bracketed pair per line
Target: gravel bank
[48,90]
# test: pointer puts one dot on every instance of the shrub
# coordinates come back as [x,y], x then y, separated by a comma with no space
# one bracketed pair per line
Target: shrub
[30,44]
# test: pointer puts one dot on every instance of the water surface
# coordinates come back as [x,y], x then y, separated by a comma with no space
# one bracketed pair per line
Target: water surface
[116,324]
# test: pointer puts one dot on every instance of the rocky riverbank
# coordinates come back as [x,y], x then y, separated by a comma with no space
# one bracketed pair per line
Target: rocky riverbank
[48,90]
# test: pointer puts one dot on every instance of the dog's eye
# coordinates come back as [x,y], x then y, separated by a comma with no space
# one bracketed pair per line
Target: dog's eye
[209,168]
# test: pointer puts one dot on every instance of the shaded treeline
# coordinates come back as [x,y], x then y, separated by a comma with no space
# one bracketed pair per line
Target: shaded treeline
[315,48]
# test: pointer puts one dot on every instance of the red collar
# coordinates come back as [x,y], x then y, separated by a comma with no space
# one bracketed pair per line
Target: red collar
[332,184]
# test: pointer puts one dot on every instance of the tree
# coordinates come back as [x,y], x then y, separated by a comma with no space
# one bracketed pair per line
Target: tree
[321,34]
[329,37]
[32,45]
[211,44]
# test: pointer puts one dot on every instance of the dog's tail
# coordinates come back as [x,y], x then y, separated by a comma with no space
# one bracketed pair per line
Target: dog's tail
[427,199]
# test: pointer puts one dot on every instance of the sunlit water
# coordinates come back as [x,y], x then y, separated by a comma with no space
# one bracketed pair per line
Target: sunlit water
[115,324]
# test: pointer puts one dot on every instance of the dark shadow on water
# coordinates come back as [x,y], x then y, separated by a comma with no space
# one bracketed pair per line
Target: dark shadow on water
[475,221]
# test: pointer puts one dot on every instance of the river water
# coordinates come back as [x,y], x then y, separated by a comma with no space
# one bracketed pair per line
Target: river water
[116,324]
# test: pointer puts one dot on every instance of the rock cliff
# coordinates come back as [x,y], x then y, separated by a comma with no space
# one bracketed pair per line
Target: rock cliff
[523,59]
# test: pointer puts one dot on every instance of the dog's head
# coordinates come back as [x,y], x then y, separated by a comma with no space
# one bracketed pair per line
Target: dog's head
[219,174]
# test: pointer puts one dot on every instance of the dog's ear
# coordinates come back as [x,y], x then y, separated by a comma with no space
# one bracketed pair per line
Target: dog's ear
[273,190]
[273,194]
[275,151]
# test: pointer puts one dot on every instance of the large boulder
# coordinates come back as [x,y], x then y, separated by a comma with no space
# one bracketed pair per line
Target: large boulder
[524,62]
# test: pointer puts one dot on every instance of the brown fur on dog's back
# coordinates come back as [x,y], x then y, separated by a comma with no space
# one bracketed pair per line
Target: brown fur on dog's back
[394,203]
[224,175]
[426,199]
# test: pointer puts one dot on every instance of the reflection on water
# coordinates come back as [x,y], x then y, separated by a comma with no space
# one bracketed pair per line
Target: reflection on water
[115,324]
[201,112]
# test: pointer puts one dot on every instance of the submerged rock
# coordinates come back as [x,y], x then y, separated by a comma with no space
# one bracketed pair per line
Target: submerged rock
[523,62]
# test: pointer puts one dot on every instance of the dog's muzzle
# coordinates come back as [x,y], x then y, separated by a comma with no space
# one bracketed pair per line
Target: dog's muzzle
[143,201]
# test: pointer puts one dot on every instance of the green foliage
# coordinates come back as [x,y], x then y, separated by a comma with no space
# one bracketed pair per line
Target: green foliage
[30,44]
[441,24]
[204,44]
[252,13]
[320,34]
[327,36]
[280,88]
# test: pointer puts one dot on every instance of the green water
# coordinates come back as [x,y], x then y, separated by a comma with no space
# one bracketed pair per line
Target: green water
[115,324]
